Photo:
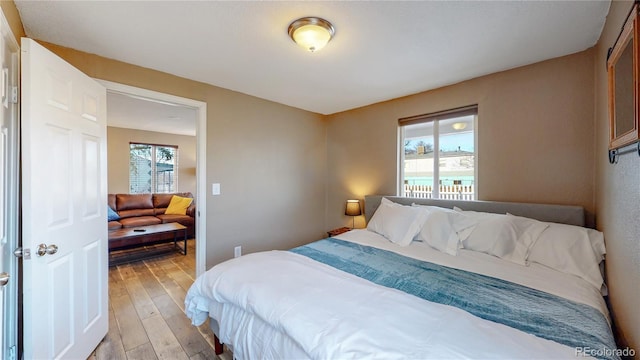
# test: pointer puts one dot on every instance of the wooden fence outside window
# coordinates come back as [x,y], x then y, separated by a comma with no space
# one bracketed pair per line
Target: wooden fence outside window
[449,192]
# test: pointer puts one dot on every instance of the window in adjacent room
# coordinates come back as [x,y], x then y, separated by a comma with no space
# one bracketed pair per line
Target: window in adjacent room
[438,155]
[153,168]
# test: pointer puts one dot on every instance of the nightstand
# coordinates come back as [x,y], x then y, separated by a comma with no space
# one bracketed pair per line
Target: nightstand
[338,231]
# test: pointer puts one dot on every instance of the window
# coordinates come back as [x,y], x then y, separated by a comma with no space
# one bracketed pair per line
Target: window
[437,155]
[153,168]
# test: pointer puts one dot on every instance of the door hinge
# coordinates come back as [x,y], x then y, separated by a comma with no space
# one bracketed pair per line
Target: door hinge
[14,94]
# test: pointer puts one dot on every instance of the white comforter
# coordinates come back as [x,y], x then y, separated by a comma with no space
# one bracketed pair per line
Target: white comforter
[283,305]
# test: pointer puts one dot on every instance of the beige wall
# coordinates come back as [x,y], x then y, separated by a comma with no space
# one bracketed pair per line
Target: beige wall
[118,140]
[270,160]
[618,199]
[535,137]
[13,18]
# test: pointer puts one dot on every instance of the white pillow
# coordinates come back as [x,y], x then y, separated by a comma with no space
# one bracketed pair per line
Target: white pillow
[398,223]
[530,231]
[572,250]
[507,237]
[442,228]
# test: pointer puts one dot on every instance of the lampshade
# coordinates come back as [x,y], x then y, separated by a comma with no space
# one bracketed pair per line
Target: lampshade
[353,208]
[311,33]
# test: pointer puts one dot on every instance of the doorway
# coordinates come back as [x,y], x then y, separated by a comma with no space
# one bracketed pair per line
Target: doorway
[200,109]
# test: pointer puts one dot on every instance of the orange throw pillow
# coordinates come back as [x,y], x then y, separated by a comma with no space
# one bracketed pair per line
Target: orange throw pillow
[178,205]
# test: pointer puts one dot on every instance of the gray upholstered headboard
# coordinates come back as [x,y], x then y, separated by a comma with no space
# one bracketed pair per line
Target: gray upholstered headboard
[564,214]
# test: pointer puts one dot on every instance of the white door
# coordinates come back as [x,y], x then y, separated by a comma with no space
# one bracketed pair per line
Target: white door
[8,191]
[64,197]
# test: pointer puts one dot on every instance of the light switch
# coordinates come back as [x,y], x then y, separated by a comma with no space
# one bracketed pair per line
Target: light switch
[215,189]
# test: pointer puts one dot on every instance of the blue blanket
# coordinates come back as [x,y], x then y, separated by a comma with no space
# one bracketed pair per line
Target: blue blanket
[535,312]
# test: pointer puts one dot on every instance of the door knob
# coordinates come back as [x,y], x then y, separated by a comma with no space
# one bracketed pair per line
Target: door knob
[43,249]
[4,279]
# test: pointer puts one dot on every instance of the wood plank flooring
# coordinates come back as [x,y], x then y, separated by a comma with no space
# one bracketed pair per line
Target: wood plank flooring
[146,309]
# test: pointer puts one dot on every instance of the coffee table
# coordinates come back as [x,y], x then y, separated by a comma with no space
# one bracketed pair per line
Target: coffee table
[139,231]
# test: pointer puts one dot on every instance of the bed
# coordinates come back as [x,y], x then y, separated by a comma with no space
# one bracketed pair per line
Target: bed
[426,279]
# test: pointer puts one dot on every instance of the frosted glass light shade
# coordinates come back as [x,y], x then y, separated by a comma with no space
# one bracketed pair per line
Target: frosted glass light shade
[311,33]
[459,126]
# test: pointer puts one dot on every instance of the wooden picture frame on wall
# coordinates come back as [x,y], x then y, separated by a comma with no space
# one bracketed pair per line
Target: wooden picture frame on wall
[624,86]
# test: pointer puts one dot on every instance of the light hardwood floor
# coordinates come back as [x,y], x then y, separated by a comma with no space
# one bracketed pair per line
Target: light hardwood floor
[146,311]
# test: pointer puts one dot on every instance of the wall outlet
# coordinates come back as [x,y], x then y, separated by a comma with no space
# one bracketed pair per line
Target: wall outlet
[215,189]
[237,251]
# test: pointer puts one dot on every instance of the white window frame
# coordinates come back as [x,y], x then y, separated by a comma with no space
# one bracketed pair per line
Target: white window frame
[154,179]
[436,118]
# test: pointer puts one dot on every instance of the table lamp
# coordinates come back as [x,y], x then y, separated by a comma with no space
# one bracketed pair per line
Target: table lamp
[353,209]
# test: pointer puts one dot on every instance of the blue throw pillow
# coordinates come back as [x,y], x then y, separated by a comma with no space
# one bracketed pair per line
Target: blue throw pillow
[111,214]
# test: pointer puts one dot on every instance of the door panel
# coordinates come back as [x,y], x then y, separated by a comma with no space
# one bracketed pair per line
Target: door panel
[58,176]
[91,177]
[60,286]
[64,204]
[92,291]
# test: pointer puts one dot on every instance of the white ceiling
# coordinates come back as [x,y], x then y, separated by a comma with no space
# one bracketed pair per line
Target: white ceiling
[381,50]
[131,112]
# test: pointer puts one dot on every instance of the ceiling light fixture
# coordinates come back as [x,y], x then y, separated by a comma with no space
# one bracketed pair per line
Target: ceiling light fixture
[459,126]
[311,33]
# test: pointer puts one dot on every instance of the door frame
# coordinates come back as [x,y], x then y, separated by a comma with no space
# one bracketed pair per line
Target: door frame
[201,151]
[10,328]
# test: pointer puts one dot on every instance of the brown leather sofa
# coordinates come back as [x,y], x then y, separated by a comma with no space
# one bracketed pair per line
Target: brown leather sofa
[147,209]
